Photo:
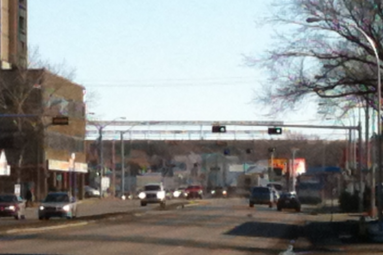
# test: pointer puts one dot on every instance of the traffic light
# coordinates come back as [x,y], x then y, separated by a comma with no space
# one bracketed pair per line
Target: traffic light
[275,131]
[219,129]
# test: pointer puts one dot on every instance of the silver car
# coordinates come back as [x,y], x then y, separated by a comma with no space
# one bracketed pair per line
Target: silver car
[91,192]
[153,193]
[58,204]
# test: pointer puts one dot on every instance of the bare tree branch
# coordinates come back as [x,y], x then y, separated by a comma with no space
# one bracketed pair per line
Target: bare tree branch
[329,58]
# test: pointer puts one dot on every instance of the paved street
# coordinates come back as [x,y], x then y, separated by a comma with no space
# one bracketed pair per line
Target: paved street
[86,208]
[213,226]
[221,226]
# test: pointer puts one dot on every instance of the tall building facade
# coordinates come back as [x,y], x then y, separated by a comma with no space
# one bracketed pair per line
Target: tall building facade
[14,35]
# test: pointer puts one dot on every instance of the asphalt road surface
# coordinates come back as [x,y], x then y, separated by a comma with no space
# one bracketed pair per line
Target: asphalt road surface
[215,226]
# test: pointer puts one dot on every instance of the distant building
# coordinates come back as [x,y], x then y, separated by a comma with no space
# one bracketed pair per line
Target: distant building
[14,34]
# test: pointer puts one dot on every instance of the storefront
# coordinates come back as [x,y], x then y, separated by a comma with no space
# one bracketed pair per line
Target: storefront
[67,176]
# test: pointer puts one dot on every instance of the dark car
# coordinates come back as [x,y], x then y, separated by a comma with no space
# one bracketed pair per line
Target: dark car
[288,200]
[194,191]
[261,195]
[12,206]
[58,204]
[218,192]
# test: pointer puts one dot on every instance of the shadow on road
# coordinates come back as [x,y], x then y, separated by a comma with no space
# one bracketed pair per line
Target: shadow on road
[267,230]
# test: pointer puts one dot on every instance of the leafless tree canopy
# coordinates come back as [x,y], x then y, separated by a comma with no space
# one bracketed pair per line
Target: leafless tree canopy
[328,57]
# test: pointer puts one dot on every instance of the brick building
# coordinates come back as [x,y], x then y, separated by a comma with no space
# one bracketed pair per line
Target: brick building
[43,156]
[13,33]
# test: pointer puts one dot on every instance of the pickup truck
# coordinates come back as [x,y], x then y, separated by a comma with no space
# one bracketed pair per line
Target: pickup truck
[153,193]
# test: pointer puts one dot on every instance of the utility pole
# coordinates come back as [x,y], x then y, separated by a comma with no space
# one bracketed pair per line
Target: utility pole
[122,164]
[101,161]
[360,168]
[294,151]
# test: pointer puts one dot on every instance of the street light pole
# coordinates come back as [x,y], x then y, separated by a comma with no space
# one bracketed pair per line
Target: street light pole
[123,160]
[101,147]
[379,120]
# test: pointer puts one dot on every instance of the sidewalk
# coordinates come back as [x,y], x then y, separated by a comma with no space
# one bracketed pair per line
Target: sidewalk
[327,229]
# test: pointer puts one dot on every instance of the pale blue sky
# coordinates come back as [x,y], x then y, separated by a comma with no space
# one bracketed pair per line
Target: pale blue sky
[158,60]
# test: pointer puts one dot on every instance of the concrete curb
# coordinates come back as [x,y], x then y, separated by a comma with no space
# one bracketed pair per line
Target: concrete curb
[26,230]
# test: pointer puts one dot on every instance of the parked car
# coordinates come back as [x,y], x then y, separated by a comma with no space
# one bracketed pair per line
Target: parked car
[58,204]
[12,206]
[261,195]
[91,192]
[289,200]
[194,191]
[218,192]
[153,193]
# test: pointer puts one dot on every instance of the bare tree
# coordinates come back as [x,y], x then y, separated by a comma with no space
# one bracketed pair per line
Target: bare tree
[24,109]
[321,52]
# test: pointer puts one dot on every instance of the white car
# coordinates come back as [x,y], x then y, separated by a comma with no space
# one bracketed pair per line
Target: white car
[153,193]
[91,192]
[58,204]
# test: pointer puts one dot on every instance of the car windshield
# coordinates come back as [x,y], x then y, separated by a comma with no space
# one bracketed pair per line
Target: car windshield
[194,187]
[174,126]
[8,198]
[260,190]
[288,195]
[57,198]
[152,187]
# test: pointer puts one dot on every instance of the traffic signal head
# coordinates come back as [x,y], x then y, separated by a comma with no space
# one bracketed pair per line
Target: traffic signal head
[275,131]
[219,129]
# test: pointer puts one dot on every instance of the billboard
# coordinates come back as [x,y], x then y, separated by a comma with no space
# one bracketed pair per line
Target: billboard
[299,166]
[286,164]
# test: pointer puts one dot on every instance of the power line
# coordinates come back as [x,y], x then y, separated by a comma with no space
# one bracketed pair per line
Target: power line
[173,82]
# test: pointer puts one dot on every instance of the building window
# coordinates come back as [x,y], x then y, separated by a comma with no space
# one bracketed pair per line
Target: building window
[21,23]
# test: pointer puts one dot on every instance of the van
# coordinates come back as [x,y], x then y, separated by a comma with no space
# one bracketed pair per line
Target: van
[261,195]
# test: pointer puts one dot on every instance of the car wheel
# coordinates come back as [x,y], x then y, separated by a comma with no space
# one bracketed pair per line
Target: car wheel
[41,218]
[46,217]
[251,205]
[23,217]
[298,209]
[270,205]
[279,208]
[143,204]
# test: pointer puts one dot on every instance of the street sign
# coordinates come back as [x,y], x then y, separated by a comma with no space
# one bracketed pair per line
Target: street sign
[17,190]
[5,169]
[60,120]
